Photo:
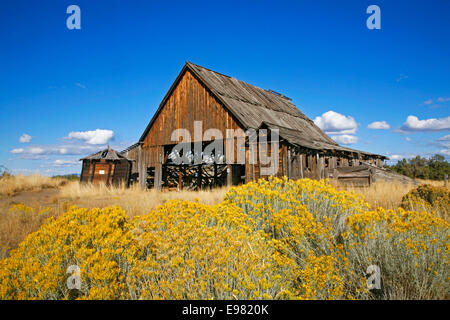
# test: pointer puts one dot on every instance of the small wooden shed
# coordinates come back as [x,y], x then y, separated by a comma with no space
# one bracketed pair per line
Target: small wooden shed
[107,166]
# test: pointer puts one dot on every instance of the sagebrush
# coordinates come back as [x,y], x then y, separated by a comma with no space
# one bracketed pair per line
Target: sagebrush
[271,239]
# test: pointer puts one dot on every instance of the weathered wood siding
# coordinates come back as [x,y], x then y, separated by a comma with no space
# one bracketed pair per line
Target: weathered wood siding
[190,101]
[86,171]
[107,172]
[102,172]
[122,171]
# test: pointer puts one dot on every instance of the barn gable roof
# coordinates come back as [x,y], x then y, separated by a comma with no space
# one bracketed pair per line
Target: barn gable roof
[107,154]
[254,107]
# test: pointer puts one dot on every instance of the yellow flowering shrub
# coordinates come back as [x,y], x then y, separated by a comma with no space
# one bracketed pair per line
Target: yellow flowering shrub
[195,251]
[411,248]
[270,239]
[429,198]
[264,197]
[92,239]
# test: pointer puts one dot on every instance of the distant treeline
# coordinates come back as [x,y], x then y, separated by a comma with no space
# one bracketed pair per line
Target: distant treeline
[434,168]
[73,176]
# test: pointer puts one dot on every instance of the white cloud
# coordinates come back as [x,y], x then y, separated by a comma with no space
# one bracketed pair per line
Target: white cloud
[73,149]
[445,138]
[36,150]
[445,152]
[444,142]
[413,123]
[393,158]
[98,136]
[379,125]
[437,102]
[408,139]
[25,171]
[335,123]
[80,85]
[345,139]
[396,157]
[17,150]
[25,138]
[64,163]
[402,77]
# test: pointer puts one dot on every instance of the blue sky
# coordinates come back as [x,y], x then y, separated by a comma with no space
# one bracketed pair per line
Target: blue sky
[58,86]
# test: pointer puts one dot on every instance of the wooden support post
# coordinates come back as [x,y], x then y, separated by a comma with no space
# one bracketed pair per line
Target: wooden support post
[332,163]
[284,159]
[180,178]
[300,161]
[317,169]
[229,175]
[289,164]
[158,176]
[214,184]
[199,177]
[321,167]
[141,169]
[247,166]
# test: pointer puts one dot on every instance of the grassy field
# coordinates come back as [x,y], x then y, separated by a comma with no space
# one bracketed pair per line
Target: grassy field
[54,196]
[331,213]
[11,185]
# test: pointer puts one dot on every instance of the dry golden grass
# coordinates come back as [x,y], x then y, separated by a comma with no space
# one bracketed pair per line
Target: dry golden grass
[14,227]
[10,185]
[133,200]
[387,194]
[34,193]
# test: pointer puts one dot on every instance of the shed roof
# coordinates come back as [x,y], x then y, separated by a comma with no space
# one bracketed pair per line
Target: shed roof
[107,154]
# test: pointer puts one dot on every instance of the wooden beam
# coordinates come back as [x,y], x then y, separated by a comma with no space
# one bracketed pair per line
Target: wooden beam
[199,177]
[300,161]
[215,174]
[289,164]
[140,165]
[180,178]
[158,176]
[284,160]
[229,175]
[321,167]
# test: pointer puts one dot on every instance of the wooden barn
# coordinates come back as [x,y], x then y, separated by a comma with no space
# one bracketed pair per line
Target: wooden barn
[223,103]
[106,166]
